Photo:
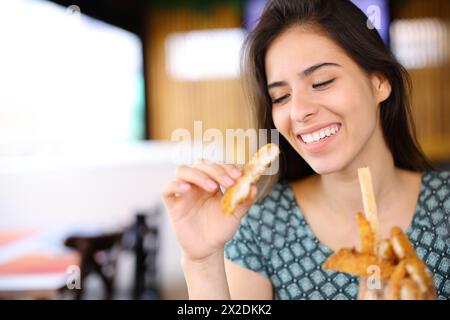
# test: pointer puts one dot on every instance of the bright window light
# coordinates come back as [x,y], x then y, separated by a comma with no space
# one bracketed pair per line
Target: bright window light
[66,77]
[420,43]
[205,54]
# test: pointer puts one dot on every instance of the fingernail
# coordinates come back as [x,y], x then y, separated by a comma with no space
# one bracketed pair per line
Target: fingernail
[236,173]
[184,186]
[211,184]
[228,181]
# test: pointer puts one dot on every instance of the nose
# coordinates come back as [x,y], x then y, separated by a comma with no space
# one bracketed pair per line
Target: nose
[301,108]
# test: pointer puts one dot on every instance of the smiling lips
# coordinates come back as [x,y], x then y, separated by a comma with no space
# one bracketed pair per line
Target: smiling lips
[320,135]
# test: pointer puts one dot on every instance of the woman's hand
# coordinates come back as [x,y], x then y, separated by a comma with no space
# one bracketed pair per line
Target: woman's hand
[193,203]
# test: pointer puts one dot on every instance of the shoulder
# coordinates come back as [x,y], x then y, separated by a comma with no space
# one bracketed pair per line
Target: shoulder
[434,200]
[441,175]
[437,183]
[435,190]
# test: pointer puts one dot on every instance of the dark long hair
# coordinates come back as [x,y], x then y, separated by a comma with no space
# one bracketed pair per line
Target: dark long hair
[347,25]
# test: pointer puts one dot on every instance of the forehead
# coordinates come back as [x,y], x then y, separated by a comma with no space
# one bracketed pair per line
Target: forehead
[300,47]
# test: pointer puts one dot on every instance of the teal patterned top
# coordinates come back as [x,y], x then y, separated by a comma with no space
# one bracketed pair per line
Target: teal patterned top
[275,241]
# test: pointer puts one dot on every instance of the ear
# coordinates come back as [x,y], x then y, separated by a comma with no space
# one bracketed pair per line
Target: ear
[381,87]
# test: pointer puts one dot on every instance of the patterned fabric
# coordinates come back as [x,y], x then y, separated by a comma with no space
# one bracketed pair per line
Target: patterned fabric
[275,241]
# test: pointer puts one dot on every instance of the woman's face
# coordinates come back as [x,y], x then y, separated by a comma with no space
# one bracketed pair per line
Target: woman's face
[323,103]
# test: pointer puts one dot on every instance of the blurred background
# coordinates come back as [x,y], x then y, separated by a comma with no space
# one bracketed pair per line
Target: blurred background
[90,93]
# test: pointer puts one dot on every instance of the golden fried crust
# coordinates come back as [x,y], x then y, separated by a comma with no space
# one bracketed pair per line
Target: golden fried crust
[351,261]
[410,291]
[400,244]
[386,252]
[417,270]
[253,170]
[403,275]
[430,294]
[407,275]
[399,272]
[226,201]
[393,290]
[365,234]
[369,202]
[395,282]
[258,163]
[410,281]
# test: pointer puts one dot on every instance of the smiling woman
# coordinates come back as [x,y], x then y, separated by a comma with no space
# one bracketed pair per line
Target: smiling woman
[318,74]
[337,95]
[327,51]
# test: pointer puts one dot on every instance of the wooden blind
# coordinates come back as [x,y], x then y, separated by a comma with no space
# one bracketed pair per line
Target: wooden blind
[177,104]
[431,85]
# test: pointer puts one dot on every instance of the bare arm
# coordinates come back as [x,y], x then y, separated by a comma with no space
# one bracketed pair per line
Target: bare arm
[245,284]
[217,278]
[202,229]
[206,278]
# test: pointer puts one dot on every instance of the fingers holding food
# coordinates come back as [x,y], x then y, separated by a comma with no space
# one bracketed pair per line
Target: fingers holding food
[235,195]
[239,192]
[175,189]
[243,207]
[196,177]
[216,172]
[232,170]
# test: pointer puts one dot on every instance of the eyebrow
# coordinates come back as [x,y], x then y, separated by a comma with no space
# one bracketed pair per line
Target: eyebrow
[305,73]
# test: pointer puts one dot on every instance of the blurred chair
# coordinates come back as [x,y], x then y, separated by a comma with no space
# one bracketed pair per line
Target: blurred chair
[143,239]
[99,255]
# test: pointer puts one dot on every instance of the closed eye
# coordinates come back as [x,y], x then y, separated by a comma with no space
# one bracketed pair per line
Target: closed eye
[281,99]
[322,85]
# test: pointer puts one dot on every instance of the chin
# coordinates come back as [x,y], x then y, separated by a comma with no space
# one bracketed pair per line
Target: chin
[326,166]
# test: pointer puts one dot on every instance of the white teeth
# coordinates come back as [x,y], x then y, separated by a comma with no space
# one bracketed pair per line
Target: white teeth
[319,135]
[316,136]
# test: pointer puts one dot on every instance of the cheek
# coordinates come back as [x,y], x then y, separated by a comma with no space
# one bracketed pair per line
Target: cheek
[357,107]
[281,119]
[363,114]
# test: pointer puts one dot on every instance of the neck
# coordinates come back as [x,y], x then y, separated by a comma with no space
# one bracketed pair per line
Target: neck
[342,188]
